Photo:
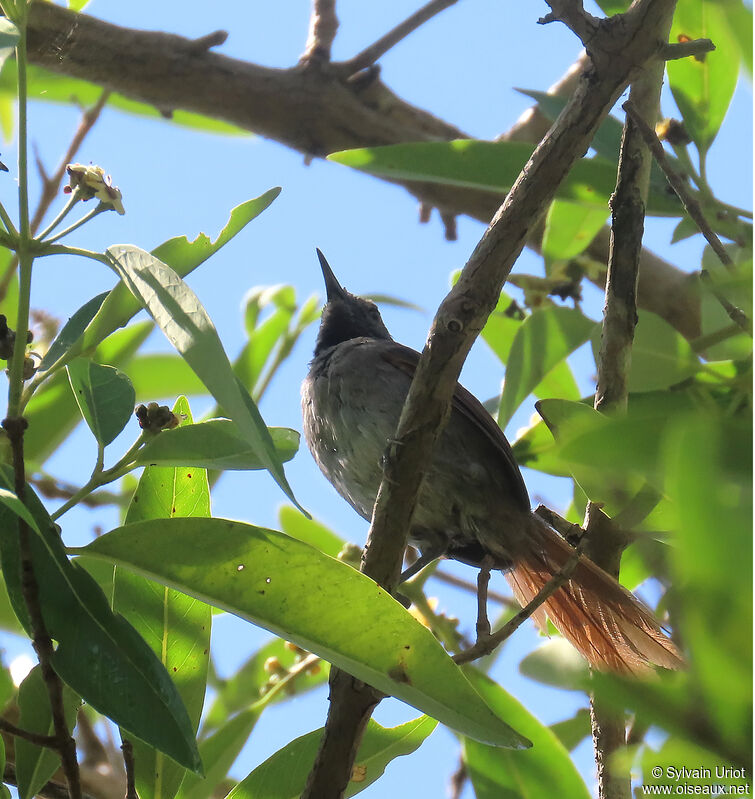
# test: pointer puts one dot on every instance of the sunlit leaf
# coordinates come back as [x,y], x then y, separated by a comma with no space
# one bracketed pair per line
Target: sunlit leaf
[570,229]
[310,531]
[296,592]
[214,444]
[176,626]
[545,338]
[284,775]
[703,86]
[182,318]
[544,770]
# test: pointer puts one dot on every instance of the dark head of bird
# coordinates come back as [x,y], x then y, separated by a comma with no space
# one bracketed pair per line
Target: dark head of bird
[346,316]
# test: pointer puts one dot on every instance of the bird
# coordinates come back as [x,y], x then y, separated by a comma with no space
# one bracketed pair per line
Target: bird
[473,504]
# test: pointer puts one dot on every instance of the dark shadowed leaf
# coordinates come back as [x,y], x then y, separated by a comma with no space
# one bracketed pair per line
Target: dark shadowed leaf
[72,330]
[98,651]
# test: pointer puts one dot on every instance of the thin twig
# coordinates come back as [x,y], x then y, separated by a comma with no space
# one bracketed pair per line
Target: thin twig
[488,644]
[737,315]
[371,54]
[483,623]
[458,582]
[323,24]
[51,184]
[128,762]
[691,205]
[48,741]
[695,47]
[458,780]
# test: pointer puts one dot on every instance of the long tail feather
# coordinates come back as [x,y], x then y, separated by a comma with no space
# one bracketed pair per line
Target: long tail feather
[609,626]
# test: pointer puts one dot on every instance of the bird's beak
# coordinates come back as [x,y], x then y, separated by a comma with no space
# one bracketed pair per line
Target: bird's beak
[333,288]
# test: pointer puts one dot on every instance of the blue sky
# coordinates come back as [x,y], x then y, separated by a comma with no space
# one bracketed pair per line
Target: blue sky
[461,66]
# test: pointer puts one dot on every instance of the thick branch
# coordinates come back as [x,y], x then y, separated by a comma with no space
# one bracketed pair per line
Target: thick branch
[314,112]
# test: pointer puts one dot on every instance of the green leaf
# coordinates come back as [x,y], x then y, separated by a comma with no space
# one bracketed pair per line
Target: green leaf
[739,19]
[163,375]
[46,86]
[72,331]
[545,338]
[180,315]
[218,752]
[183,256]
[544,770]
[296,592]
[53,413]
[176,626]
[284,775]
[35,764]
[310,531]
[214,444]
[571,732]
[491,166]
[661,356]
[557,663]
[250,682]
[104,395]
[10,500]
[97,649]
[703,88]
[570,229]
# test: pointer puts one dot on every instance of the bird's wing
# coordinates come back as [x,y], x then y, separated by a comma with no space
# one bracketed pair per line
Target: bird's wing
[465,403]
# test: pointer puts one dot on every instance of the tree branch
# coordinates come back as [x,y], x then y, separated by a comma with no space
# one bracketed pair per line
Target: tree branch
[315,113]
[323,25]
[612,390]
[371,54]
[459,319]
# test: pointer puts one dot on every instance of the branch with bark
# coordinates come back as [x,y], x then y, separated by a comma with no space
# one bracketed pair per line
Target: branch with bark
[617,52]
[316,112]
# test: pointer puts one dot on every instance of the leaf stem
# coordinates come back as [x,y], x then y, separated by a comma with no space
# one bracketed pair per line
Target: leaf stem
[67,208]
[84,219]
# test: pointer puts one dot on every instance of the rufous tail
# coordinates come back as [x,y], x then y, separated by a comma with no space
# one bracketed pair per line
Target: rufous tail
[607,624]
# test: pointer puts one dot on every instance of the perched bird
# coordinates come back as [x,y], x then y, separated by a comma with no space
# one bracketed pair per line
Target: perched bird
[473,502]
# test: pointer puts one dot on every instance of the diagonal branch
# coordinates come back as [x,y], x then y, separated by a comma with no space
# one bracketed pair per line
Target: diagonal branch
[371,54]
[313,112]
[459,319]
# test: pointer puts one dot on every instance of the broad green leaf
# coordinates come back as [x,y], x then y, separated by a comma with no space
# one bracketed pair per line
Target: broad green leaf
[104,395]
[739,19]
[570,229]
[251,681]
[158,375]
[72,331]
[54,87]
[557,663]
[8,623]
[53,412]
[34,764]
[536,449]
[176,626]
[545,338]
[703,87]
[183,256]
[97,649]
[661,356]
[180,315]
[284,775]
[310,531]
[545,770]
[11,501]
[571,732]
[490,166]
[218,752]
[214,444]
[294,591]
[499,333]
[709,467]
